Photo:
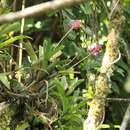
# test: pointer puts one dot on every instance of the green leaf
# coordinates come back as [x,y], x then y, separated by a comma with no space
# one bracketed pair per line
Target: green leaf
[61,95]
[56,52]
[63,101]
[127,84]
[50,52]
[30,51]
[80,105]
[64,82]
[71,73]
[47,52]
[106,126]
[11,40]
[6,28]
[4,80]
[22,126]
[60,86]
[73,118]
[86,8]
[123,65]
[115,88]
[66,24]
[73,85]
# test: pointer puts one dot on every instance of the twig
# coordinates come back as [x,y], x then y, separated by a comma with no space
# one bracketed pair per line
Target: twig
[64,37]
[105,7]
[113,9]
[116,60]
[18,46]
[70,61]
[81,60]
[39,9]
[21,45]
[46,82]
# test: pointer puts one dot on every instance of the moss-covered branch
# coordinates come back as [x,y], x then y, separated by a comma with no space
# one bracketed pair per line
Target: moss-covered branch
[112,55]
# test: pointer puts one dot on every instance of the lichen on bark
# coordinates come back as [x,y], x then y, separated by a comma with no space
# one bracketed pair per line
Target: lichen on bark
[5,115]
[103,85]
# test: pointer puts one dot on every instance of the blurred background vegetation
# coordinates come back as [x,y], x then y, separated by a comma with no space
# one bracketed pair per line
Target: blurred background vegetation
[58,78]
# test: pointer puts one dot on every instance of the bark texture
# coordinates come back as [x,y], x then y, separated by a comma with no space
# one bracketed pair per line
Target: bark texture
[103,85]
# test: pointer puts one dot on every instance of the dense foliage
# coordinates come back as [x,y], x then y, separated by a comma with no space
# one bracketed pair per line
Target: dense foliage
[61,58]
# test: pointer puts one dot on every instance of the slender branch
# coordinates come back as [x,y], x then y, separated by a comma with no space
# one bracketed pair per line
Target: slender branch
[64,36]
[21,44]
[81,60]
[39,9]
[125,119]
[114,7]
[107,11]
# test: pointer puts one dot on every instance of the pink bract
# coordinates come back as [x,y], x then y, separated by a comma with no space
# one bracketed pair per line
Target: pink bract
[76,24]
[94,49]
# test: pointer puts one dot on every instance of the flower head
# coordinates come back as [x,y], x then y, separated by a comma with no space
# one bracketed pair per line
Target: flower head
[94,49]
[76,24]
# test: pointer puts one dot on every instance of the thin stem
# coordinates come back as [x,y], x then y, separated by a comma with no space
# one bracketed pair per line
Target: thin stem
[126,119]
[116,60]
[70,61]
[21,45]
[81,60]
[105,7]
[113,9]
[64,36]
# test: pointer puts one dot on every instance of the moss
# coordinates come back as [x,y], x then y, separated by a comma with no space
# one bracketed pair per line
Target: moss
[5,117]
[97,106]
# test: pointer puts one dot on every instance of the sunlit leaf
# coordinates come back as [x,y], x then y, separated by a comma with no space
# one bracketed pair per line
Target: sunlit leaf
[30,51]
[73,85]
[22,126]
[6,28]
[71,73]
[4,80]
[11,40]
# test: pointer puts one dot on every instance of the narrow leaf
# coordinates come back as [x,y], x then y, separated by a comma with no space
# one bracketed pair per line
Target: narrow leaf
[73,85]
[23,126]
[30,51]
[11,40]
[4,80]
[10,27]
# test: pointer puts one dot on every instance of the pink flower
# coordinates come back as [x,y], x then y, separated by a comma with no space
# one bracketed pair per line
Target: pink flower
[94,49]
[76,24]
